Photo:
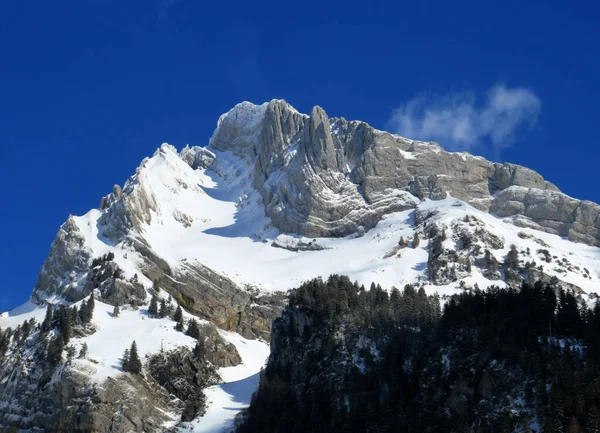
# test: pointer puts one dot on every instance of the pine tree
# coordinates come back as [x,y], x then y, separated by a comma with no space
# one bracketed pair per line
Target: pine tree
[25,330]
[511,264]
[90,308]
[84,351]
[54,351]
[83,314]
[70,354]
[416,240]
[193,329]
[153,308]
[163,311]
[178,317]
[135,364]
[75,316]
[125,361]
[593,419]
[64,324]
[116,311]
[47,323]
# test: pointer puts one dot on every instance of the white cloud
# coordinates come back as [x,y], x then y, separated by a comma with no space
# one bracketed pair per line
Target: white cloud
[458,122]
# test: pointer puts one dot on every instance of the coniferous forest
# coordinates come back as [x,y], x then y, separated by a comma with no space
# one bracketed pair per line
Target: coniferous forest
[347,359]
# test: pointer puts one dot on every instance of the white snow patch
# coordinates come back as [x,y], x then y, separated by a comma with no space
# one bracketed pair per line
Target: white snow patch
[226,400]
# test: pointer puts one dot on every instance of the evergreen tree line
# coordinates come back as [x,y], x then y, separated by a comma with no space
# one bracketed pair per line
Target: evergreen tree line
[345,359]
[64,320]
[160,308]
[16,337]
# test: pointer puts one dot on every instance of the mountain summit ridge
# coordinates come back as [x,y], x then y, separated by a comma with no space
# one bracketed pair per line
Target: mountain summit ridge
[351,174]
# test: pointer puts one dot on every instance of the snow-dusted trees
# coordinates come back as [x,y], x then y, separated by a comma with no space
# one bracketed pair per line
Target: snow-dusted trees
[511,265]
[416,240]
[193,329]
[153,308]
[165,309]
[86,311]
[47,323]
[84,351]
[5,336]
[131,362]
[178,317]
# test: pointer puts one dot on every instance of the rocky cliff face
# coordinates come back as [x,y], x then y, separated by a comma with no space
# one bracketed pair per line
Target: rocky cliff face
[330,177]
[67,263]
[550,211]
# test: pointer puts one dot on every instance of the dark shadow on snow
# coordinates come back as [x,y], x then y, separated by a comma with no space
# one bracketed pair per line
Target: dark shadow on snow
[241,390]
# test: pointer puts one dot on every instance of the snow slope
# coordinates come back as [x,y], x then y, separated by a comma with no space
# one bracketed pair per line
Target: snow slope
[230,234]
[215,217]
[115,334]
[226,400]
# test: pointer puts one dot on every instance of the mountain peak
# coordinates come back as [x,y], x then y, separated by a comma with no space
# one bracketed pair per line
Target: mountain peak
[275,199]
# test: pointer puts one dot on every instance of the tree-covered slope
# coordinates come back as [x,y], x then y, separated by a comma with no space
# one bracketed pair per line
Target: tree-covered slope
[346,359]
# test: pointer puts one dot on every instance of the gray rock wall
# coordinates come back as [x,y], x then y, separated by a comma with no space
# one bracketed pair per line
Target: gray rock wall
[550,211]
[330,177]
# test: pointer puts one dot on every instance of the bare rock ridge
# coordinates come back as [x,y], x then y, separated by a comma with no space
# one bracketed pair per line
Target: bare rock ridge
[332,177]
[550,211]
[67,262]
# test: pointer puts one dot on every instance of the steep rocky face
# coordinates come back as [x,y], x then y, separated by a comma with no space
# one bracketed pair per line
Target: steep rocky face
[67,264]
[216,298]
[185,377]
[329,177]
[550,211]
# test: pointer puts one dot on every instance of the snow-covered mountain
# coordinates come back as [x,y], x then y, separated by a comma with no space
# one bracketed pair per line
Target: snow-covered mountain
[275,198]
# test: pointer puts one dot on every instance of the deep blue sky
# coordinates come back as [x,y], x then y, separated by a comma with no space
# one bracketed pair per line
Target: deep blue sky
[89,88]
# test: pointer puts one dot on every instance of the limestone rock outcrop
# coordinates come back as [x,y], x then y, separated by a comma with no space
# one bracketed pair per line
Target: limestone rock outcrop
[550,211]
[67,264]
[331,177]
